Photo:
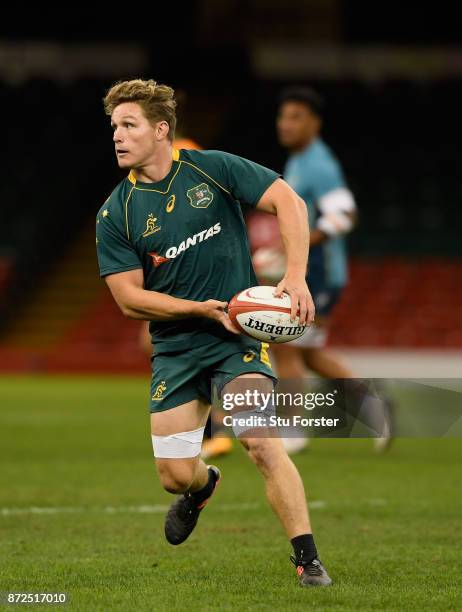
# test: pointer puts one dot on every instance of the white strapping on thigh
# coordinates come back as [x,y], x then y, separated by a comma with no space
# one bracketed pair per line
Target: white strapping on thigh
[253,419]
[181,445]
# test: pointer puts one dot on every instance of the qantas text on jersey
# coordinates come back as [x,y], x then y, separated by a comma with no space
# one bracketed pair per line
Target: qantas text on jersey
[174,251]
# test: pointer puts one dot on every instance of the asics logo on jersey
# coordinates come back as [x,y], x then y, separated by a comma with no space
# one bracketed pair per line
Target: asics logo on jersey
[170,203]
[174,251]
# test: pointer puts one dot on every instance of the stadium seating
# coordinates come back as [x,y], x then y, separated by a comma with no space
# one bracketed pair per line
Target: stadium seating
[393,302]
[390,303]
[56,313]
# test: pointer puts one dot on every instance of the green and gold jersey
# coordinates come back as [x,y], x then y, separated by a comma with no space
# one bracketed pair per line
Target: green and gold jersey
[188,235]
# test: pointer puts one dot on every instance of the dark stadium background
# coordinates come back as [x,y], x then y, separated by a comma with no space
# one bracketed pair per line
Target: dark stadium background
[391,77]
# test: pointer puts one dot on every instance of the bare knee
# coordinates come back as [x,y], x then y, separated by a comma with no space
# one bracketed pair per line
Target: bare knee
[266,453]
[175,475]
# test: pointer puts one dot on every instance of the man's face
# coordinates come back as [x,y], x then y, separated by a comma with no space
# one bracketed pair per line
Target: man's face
[296,125]
[135,138]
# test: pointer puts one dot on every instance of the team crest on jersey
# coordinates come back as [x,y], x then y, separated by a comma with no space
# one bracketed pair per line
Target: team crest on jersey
[151,227]
[157,259]
[200,196]
[159,392]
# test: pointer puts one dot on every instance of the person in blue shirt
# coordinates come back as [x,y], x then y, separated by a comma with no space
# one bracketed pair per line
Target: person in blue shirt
[315,174]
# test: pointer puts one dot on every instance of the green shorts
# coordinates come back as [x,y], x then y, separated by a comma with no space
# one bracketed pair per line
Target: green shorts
[178,378]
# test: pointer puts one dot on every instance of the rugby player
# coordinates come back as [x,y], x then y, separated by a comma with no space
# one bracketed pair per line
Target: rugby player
[315,174]
[172,248]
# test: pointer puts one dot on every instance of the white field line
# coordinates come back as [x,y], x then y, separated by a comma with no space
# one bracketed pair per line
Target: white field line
[143,509]
[316,504]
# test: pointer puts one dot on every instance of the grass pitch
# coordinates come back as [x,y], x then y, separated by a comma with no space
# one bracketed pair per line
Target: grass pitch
[81,511]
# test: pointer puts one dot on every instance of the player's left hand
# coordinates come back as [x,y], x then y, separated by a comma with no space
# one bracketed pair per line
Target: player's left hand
[216,310]
[300,297]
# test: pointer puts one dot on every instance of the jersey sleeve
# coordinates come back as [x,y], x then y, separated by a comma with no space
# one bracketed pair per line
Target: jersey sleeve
[245,180]
[326,178]
[115,251]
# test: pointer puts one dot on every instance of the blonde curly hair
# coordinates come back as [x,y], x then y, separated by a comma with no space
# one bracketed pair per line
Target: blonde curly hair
[157,101]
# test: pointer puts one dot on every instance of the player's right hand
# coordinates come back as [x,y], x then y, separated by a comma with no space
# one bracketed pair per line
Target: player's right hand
[216,310]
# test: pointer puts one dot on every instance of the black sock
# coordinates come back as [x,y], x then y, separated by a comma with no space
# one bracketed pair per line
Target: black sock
[201,495]
[304,548]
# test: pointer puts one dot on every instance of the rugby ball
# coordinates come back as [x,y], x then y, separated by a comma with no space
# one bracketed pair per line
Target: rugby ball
[257,313]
